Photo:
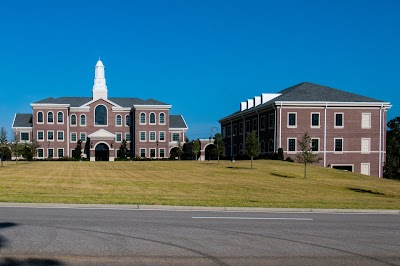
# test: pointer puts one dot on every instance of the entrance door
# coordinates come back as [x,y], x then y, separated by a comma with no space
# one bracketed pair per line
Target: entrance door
[102,152]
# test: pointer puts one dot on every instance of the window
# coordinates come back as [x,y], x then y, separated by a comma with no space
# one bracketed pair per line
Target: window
[127,120]
[83,137]
[60,135]
[73,120]
[142,153]
[118,137]
[240,148]
[162,135]
[234,130]
[175,137]
[314,119]
[229,131]
[142,118]
[142,135]
[247,125]
[366,120]
[292,120]
[338,145]
[83,120]
[152,136]
[262,146]
[262,123]
[40,135]
[73,137]
[40,153]
[50,153]
[339,120]
[60,117]
[24,136]
[241,128]
[50,118]
[254,123]
[118,120]
[60,153]
[100,115]
[162,153]
[365,145]
[315,144]
[292,145]
[365,168]
[271,121]
[152,118]
[152,153]
[128,136]
[50,135]
[223,132]
[162,118]
[40,117]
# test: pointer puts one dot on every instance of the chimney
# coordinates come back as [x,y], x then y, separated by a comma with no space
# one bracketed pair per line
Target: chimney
[243,106]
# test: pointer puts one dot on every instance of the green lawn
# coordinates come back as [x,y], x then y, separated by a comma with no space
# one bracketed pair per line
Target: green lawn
[188,183]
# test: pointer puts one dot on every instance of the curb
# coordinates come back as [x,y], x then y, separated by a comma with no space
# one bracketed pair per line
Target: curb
[192,208]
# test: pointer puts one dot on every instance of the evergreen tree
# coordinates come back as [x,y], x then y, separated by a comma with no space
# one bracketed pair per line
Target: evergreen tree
[391,168]
[3,144]
[306,154]
[78,150]
[252,146]
[123,149]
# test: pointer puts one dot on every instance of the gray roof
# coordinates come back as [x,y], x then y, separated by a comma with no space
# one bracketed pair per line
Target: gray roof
[79,101]
[177,121]
[22,120]
[311,92]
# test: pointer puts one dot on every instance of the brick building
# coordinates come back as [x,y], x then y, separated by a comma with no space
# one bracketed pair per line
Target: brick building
[348,130]
[102,123]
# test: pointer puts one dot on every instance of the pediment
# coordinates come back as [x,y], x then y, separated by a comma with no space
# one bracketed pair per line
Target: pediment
[102,134]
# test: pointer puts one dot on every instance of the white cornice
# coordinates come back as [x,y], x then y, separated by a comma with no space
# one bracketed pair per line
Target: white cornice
[50,105]
[153,107]
[123,109]
[80,109]
[106,100]
[178,129]
[336,104]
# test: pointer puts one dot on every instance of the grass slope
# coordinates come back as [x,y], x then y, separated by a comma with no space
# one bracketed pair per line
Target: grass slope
[189,183]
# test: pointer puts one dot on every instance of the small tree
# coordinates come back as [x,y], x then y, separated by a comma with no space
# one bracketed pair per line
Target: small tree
[391,168]
[78,150]
[123,149]
[219,145]
[3,144]
[280,154]
[306,154]
[179,150]
[252,146]
[196,146]
[15,147]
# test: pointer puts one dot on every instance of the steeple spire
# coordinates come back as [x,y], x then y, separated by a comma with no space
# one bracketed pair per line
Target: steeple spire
[99,87]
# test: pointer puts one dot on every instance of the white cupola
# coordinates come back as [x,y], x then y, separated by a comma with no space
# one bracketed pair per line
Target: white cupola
[99,87]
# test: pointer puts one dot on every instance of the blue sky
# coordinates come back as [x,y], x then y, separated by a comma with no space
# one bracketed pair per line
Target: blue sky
[202,57]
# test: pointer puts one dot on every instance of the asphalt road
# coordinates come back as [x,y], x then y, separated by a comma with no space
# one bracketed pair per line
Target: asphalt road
[64,236]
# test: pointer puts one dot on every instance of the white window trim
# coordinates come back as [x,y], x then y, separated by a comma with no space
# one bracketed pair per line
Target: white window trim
[140,136]
[80,136]
[47,135]
[155,152]
[319,145]
[334,125]
[58,156]
[76,121]
[159,134]
[76,137]
[126,136]
[369,168]
[155,136]
[126,120]
[159,152]
[155,119]
[37,135]
[37,153]
[80,120]
[60,123]
[319,119]
[51,123]
[116,139]
[172,136]
[48,153]
[122,122]
[140,119]
[295,146]
[159,118]
[362,119]
[289,126]
[37,118]
[334,146]
[145,152]
[94,116]
[369,146]
[58,131]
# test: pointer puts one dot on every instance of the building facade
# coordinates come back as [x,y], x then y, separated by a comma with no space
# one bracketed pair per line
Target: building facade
[347,130]
[101,123]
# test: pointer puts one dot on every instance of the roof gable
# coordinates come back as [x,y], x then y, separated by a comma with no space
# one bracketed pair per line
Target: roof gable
[22,120]
[177,121]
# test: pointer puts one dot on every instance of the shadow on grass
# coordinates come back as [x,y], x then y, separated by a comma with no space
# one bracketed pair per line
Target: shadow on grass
[359,190]
[237,167]
[284,176]
[9,261]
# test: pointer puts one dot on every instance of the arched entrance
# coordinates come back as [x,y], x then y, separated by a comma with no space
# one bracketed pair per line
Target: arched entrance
[102,152]
[210,152]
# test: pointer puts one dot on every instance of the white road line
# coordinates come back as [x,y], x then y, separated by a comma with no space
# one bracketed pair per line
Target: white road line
[253,218]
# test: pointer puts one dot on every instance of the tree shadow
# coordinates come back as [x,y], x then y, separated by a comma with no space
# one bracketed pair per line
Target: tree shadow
[9,261]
